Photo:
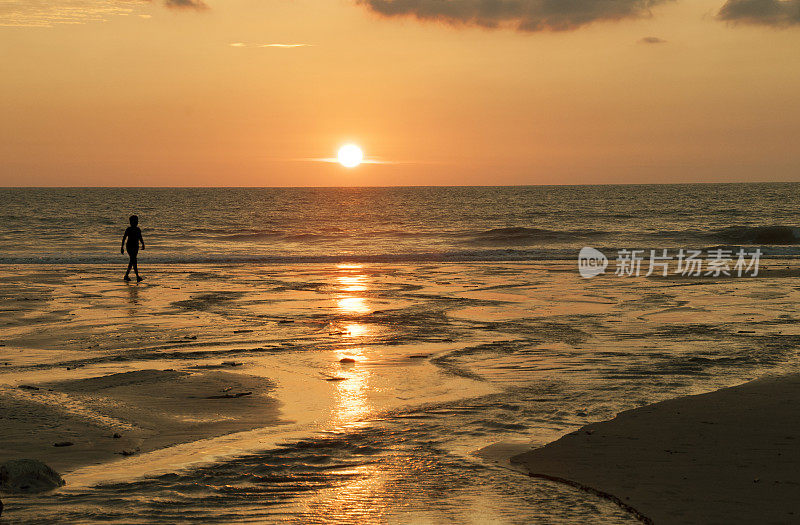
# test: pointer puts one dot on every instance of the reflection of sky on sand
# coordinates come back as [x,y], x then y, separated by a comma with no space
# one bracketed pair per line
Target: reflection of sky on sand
[530,302]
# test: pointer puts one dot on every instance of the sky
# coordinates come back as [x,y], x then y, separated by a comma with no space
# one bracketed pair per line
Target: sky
[435,92]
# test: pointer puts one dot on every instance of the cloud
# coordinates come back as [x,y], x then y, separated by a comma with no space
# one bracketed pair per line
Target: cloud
[285,46]
[47,13]
[186,4]
[335,160]
[522,15]
[652,40]
[775,13]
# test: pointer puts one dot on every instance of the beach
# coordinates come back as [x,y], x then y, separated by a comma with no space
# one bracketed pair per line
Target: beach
[399,262]
[730,456]
[327,390]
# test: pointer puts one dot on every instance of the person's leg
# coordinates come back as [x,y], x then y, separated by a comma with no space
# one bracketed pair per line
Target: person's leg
[136,269]
[128,271]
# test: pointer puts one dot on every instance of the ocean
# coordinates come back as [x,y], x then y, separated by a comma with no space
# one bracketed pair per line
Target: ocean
[296,225]
[394,334]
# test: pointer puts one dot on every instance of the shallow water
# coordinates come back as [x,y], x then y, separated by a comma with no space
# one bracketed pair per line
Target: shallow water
[504,352]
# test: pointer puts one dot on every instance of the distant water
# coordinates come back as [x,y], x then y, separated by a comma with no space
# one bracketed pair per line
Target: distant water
[77,225]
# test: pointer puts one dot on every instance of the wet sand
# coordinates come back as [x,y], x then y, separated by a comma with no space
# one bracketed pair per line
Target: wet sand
[72,423]
[730,456]
[84,357]
[368,383]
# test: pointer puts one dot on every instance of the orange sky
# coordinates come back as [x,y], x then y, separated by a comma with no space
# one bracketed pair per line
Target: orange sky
[158,96]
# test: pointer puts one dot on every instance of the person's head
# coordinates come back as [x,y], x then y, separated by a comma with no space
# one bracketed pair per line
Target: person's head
[134,220]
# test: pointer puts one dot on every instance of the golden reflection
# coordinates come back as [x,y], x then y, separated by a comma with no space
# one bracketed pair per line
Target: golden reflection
[354,330]
[351,404]
[363,498]
[349,266]
[353,499]
[352,283]
[351,280]
[353,305]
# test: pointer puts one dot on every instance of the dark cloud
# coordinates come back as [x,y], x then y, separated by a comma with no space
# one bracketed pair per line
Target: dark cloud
[522,15]
[776,13]
[186,4]
[652,40]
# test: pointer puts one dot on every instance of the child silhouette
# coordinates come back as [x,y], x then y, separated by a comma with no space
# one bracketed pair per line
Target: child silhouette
[134,236]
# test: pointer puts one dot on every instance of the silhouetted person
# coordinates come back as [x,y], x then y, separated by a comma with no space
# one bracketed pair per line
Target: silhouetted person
[134,236]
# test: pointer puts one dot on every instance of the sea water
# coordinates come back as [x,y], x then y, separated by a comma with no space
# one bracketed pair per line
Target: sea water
[202,225]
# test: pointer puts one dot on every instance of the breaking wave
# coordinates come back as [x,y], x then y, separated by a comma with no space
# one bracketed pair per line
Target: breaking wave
[523,235]
[758,234]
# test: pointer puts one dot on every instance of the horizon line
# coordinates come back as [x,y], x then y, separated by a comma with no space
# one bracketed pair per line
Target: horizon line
[416,185]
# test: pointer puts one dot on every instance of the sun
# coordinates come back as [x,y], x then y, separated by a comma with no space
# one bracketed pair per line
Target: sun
[350,156]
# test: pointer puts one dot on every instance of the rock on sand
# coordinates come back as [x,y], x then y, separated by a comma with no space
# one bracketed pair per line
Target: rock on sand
[28,476]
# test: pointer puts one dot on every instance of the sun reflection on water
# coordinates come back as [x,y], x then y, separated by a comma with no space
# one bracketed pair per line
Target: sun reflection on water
[351,396]
[351,279]
[355,500]
[351,501]
[353,305]
[352,283]
[349,266]
[355,330]
[352,405]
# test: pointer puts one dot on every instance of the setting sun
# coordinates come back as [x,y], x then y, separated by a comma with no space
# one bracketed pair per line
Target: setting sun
[350,156]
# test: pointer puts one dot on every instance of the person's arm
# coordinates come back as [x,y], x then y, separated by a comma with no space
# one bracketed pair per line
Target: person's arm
[122,248]
[141,239]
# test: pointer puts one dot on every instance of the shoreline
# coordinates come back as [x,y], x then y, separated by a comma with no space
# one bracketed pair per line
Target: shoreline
[727,456]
